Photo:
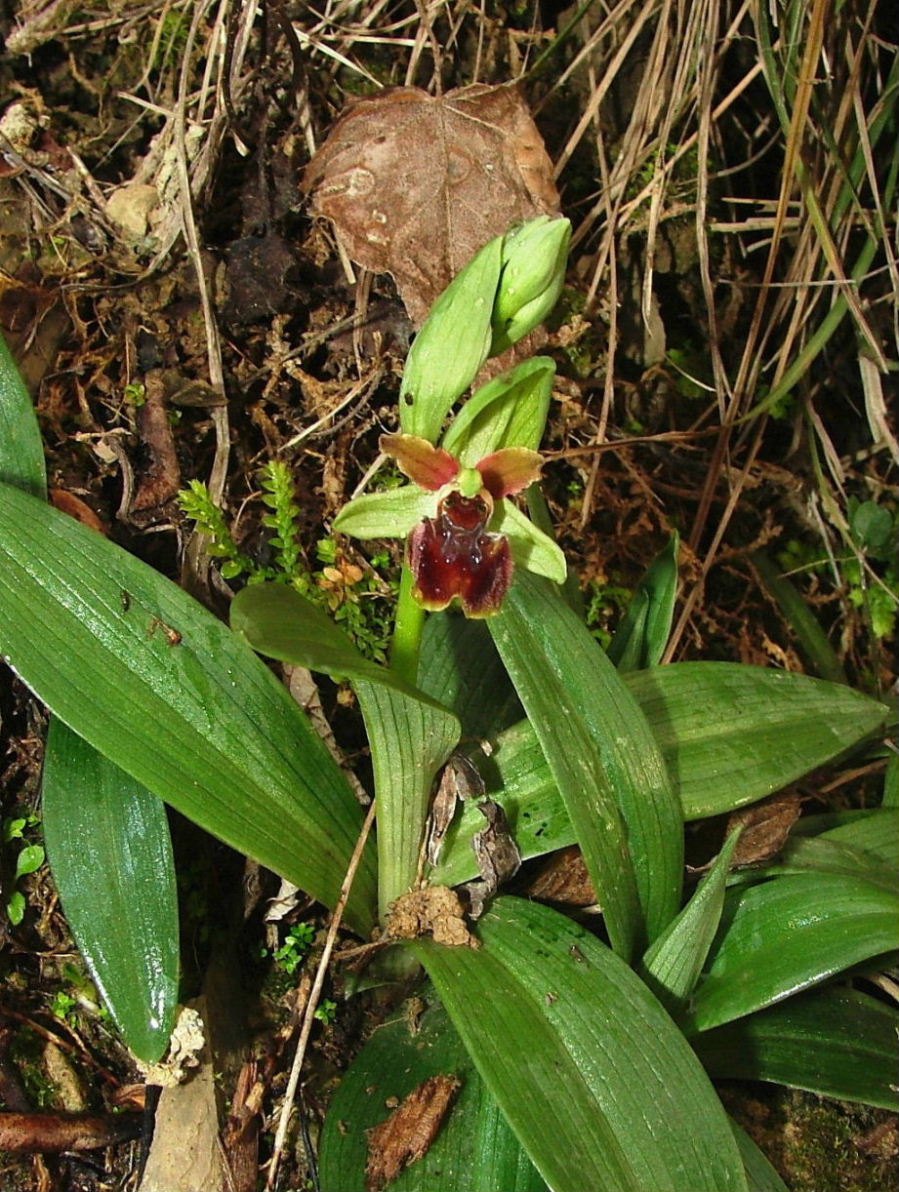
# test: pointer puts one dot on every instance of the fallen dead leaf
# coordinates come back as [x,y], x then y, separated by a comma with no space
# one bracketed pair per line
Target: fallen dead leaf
[416,184]
[766,826]
[564,879]
[408,1133]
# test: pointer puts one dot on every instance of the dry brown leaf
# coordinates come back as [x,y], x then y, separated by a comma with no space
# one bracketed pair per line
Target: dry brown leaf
[766,826]
[416,184]
[564,879]
[407,1134]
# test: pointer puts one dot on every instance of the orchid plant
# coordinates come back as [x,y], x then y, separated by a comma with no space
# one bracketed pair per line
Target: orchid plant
[565,1054]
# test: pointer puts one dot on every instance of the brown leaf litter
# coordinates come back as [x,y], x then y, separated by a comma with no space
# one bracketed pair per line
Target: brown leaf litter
[408,1133]
[416,184]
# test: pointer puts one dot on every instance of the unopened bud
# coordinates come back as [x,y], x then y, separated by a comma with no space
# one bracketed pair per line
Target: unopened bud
[533,273]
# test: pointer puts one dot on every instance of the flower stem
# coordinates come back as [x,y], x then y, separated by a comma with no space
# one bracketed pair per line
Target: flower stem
[407,631]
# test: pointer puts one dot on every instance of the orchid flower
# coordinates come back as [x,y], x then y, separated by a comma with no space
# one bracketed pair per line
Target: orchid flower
[464,536]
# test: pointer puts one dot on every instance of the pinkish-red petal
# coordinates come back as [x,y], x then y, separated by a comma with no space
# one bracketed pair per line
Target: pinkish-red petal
[452,555]
[508,471]
[427,466]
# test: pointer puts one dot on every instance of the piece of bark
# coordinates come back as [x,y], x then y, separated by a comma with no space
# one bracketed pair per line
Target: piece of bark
[564,879]
[46,1133]
[408,1133]
[415,184]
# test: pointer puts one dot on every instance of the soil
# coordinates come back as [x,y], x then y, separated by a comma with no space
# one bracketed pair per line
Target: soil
[168,338]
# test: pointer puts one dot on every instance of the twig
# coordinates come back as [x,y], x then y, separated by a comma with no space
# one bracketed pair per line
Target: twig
[315,994]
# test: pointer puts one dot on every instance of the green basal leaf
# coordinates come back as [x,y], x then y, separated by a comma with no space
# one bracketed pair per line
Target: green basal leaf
[531,548]
[109,847]
[876,833]
[760,1175]
[277,621]
[509,411]
[21,451]
[474,1149]
[451,346]
[773,727]
[410,734]
[593,1076]
[156,683]
[736,733]
[459,666]
[642,635]
[789,934]
[891,782]
[822,854]
[673,962]
[835,1042]
[410,739]
[390,514]
[603,758]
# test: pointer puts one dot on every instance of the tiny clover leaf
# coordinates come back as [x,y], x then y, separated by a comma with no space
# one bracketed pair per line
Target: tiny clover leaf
[446,513]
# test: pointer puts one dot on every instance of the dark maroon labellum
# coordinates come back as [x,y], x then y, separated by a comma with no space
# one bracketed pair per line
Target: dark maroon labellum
[452,555]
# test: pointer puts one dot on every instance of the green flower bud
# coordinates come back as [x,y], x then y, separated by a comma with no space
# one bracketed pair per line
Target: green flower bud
[451,346]
[533,273]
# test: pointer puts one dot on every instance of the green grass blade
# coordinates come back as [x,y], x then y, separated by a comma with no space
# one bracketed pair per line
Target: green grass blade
[109,848]
[789,934]
[196,718]
[603,757]
[475,1148]
[834,1042]
[593,1076]
[812,638]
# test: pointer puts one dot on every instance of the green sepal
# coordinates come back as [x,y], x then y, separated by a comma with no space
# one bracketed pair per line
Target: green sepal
[451,346]
[509,411]
[391,514]
[531,548]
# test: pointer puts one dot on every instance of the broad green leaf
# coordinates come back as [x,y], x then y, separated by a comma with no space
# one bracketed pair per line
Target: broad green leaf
[21,451]
[729,734]
[410,735]
[876,833]
[736,733]
[111,853]
[789,934]
[459,666]
[277,621]
[451,346]
[509,411]
[109,847]
[475,1148]
[603,757]
[410,739]
[640,639]
[835,1042]
[823,854]
[891,782]
[760,1174]
[161,687]
[598,1083]
[673,962]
